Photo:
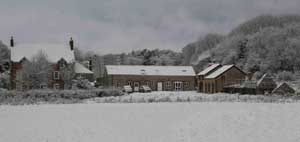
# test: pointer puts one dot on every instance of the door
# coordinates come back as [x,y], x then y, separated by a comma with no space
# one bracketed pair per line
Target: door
[159,86]
[178,86]
[136,86]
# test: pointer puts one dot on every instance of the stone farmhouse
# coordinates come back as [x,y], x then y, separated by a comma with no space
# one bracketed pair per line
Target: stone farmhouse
[60,56]
[158,78]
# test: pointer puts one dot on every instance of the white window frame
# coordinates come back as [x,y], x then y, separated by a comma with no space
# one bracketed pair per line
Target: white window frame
[56,75]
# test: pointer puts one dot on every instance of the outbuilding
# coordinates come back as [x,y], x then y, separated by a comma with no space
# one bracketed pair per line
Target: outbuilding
[216,77]
[160,78]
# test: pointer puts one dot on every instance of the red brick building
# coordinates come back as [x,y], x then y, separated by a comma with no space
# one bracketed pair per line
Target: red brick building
[60,56]
[159,78]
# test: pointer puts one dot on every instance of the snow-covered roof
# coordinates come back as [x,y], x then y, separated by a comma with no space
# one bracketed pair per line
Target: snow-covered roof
[209,69]
[54,52]
[266,78]
[219,71]
[80,69]
[150,70]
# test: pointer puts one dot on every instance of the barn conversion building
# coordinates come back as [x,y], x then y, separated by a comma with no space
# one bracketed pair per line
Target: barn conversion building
[159,78]
[61,59]
[216,77]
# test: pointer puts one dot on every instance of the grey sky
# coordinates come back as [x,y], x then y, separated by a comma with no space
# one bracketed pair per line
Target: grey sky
[123,25]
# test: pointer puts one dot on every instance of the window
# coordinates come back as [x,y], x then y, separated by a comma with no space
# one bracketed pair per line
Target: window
[118,84]
[56,86]
[130,83]
[62,65]
[43,86]
[147,83]
[56,75]
[168,85]
[186,84]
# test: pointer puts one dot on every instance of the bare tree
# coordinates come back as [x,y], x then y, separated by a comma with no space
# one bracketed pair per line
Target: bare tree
[68,75]
[36,71]
[4,57]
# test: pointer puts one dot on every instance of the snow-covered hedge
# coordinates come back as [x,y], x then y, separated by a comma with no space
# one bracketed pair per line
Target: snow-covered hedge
[53,96]
[196,97]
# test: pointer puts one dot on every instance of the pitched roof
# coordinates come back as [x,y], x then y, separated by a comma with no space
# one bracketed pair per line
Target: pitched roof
[150,70]
[54,52]
[266,79]
[80,69]
[283,88]
[209,69]
[219,71]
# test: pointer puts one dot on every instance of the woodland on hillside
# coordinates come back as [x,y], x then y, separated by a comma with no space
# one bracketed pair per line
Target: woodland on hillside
[265,44]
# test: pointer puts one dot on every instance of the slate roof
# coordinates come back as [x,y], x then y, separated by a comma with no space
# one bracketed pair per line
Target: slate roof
[150,70]
[219,71]
[209,69]
[54,52]
[80,69]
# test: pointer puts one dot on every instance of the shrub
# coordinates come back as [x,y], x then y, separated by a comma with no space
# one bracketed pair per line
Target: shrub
[54,96]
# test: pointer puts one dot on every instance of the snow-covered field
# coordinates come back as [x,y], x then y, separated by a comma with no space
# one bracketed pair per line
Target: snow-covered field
[154,122]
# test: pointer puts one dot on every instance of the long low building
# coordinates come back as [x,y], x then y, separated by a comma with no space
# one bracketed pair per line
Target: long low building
[160,78]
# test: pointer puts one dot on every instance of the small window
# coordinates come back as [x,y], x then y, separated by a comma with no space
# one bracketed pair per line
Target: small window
[130,83]
[56,86]
[118,84]
[186,84]
[56,75]
[43,86]
[168,85]
[62,65]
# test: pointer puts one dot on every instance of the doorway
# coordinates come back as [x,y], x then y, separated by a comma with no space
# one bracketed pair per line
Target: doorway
[178,86]
[159,86]
[136,86]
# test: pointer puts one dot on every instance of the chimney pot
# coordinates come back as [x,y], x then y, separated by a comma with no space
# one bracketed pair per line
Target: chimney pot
[71,43]
[90,63]
[12,43]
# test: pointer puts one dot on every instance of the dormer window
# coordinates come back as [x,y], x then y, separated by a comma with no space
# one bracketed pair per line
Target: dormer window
[62,65]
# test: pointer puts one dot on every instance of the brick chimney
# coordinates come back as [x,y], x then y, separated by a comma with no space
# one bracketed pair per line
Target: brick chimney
[71,43]
[12,43]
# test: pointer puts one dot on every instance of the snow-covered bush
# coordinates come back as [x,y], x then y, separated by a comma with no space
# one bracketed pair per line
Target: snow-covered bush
[54,96]
[158,97]
[4,80]
[81,83]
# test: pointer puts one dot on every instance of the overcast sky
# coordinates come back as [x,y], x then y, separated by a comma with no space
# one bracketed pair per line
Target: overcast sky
[113,26]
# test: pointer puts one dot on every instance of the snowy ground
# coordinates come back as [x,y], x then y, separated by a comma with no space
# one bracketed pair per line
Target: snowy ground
[155,122]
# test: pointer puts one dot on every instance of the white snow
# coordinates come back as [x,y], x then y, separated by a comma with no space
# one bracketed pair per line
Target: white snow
[209,69]
[219,71]
[79,68]
[150,70]
[156,122]
[54,52]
